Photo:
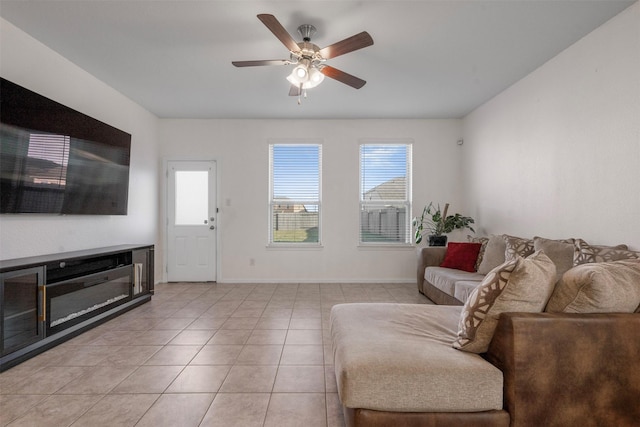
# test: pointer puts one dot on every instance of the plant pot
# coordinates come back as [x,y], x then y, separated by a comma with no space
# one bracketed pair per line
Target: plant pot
[437,240]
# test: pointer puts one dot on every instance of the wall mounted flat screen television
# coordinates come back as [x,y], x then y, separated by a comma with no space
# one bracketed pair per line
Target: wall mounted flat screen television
[56,160]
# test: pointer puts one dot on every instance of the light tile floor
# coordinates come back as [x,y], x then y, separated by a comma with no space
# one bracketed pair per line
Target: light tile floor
[197,354]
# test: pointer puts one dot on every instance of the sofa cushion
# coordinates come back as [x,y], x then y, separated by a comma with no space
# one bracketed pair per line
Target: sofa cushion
[493,254]
[560,252]
[463,288]
[461,256]
[445,278]
[605,287]
[517,246]
[585,253]
[483,241]
[398,357]
[522,284]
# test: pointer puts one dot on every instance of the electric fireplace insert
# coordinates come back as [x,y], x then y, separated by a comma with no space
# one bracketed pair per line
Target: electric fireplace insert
[72,301]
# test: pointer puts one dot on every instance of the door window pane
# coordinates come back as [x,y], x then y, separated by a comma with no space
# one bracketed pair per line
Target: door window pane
[192,197]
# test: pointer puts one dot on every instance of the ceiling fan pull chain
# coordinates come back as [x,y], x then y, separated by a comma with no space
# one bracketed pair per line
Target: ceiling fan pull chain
[299,93]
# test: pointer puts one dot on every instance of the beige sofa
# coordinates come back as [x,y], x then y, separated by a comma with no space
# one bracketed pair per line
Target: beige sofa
[444,285]
[453,287]
[402,364]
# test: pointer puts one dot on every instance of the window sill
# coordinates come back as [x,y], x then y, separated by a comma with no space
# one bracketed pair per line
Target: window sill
[385,247]
[295,246]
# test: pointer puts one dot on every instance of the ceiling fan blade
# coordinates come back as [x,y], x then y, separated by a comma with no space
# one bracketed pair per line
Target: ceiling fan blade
[343,77]
[347,45]
[278,30]
[295,90]
[259,63]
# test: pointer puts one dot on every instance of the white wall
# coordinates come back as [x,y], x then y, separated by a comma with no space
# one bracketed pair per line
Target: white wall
[240,148]
[29,63]
[558,153]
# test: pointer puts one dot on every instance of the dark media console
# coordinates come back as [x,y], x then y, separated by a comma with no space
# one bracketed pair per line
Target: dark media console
[45,300]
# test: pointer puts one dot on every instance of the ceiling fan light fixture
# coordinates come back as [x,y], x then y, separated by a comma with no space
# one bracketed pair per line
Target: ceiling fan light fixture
[309,78]
[305,74]
[315,78]
[301,72]
[294,79]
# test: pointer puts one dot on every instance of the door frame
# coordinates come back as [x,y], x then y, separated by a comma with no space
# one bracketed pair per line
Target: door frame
[164,214]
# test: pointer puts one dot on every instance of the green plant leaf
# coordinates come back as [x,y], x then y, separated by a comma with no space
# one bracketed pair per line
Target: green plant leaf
[431,222]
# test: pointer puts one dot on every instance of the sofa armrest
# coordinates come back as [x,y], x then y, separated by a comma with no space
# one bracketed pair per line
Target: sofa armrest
[431,256]
[569,369]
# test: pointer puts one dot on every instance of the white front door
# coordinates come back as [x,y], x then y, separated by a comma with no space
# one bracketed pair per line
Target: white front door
[191,222]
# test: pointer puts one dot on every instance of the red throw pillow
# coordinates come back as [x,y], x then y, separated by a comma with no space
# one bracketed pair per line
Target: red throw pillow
[461,256]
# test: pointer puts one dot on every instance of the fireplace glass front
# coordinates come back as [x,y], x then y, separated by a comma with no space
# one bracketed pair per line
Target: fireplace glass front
[72,301]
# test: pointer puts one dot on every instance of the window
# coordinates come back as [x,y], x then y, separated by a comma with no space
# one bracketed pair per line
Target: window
[192,197]
[385,193]
[294,205]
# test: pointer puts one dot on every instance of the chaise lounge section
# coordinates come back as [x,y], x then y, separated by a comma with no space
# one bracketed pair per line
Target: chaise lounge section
[395,365]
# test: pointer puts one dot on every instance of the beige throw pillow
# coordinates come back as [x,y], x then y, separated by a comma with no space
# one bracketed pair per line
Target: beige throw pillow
[515,246]
[493,254]
[604,287]
[522,284]
[560,252]
[585,253]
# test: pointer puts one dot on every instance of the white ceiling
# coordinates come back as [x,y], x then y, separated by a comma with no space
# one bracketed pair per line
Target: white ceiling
[430,59]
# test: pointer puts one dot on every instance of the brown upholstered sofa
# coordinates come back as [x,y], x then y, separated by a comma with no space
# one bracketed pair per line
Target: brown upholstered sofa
[395,365]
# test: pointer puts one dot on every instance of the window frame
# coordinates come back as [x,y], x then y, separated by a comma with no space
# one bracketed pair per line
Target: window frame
[272,201]
[407,202]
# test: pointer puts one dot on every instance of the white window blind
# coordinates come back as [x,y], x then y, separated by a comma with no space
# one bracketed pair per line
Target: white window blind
[385,193]
[294,205]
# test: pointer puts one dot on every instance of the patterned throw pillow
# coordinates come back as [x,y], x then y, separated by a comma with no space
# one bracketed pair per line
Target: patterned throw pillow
[483,241]
[586,253]
[517,246]
[603,287]
[522,284]
[461,256]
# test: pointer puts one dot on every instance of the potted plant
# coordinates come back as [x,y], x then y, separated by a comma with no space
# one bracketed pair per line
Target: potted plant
[436,224]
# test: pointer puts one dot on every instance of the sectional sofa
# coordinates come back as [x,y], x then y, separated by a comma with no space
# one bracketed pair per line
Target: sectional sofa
[535,342]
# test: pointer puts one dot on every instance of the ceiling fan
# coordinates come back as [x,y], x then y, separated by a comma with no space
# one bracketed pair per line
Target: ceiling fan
[309,60]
